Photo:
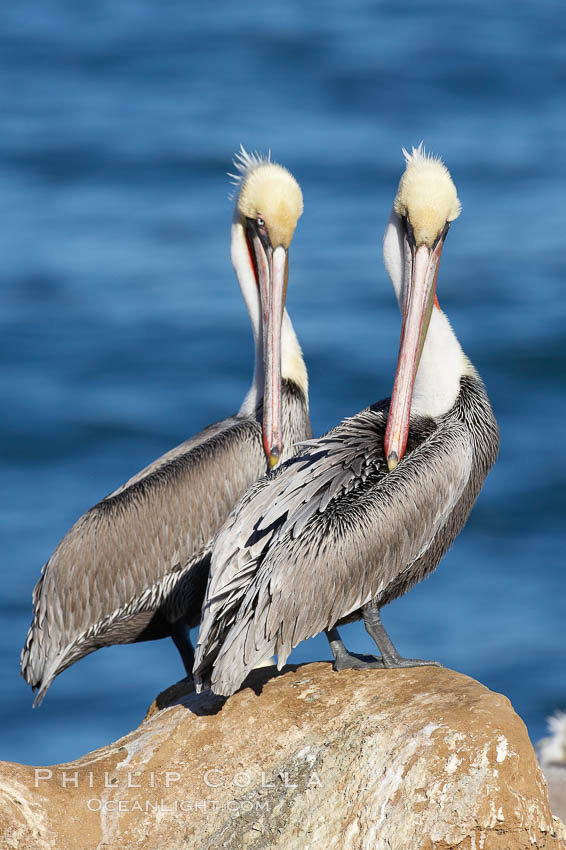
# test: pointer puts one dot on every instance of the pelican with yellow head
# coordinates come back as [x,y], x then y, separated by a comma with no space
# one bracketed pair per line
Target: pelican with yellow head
[135,566]
[369,509]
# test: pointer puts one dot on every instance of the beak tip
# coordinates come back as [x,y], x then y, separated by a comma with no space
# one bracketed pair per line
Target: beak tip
[274,456]
[392,461]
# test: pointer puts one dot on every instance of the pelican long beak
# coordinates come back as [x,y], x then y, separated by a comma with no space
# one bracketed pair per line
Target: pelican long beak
[272,279]
[421,270]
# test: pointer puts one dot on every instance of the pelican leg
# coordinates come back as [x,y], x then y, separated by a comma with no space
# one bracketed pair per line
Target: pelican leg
[344,659]
[180,633]
[390,656]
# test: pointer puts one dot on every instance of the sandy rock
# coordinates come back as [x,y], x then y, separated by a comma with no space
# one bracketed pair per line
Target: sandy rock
[308,760]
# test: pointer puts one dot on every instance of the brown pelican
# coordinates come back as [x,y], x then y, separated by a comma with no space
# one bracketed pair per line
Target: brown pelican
[135,566]
[363,513]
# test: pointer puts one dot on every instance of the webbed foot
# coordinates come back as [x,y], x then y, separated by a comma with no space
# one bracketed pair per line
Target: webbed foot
[391,662]
[349,661]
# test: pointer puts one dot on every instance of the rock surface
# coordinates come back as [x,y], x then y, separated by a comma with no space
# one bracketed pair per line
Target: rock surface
[404,759]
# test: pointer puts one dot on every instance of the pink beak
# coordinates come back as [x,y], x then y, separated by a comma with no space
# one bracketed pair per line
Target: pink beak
[421,270]
[271,266]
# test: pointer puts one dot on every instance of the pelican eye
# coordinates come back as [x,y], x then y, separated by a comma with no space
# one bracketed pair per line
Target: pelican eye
[259,227]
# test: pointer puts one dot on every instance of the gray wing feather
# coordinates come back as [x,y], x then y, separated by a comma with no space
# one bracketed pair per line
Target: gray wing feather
[183,448]
[124,555]
[321,538]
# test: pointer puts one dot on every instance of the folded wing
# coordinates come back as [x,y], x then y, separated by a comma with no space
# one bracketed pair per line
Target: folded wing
[321,537]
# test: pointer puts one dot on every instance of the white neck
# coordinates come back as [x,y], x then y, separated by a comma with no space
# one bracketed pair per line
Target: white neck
[292,363]
[443,362]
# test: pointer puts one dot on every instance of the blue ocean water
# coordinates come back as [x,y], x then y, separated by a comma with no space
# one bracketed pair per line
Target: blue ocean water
[122,330]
